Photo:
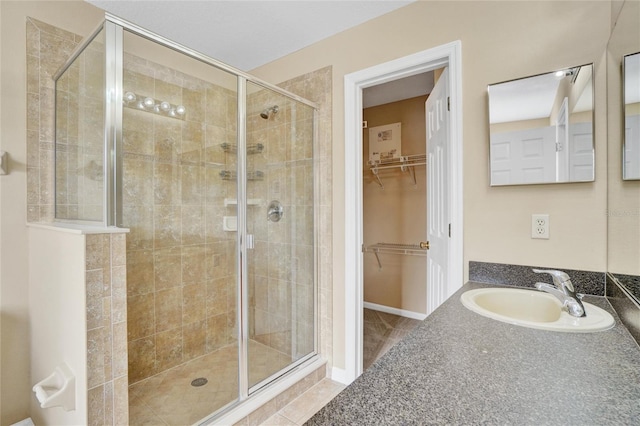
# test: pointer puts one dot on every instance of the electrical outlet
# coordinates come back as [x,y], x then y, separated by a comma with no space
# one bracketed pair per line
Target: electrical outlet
[540,226]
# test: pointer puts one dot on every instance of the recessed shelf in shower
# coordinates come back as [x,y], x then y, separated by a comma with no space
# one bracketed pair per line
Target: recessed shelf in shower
[232,175]
[255,148]
[250,202]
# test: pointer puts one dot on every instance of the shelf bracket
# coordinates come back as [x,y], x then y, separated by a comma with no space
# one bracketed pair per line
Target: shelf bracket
[378,259]
[412,172]
[375,173]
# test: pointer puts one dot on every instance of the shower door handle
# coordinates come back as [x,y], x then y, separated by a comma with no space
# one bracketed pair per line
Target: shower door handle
[250,242]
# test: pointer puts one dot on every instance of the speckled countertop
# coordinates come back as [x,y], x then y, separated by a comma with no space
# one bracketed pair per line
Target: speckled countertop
[458,367]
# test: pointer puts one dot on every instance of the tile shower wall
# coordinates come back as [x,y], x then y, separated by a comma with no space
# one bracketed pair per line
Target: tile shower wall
[181,264]
[106,329]
[48,48]
[80,135]
[317,87]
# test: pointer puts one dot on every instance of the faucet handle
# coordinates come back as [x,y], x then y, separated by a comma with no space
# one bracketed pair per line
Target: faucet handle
[559,277]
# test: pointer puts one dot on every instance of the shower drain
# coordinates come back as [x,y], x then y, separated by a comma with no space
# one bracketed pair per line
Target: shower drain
[200,381]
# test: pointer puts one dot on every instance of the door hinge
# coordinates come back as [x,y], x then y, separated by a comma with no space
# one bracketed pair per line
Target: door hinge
[449,230]
[448,103]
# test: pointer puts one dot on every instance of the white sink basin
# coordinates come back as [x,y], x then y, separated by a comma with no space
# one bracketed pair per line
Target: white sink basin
[533,309]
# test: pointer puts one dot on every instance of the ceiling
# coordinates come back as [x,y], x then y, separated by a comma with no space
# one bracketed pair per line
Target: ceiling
[248,34]
[398,90]
[534,97]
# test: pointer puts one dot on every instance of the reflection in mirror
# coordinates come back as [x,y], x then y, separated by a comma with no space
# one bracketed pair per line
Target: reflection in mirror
[631,70]
[541,128]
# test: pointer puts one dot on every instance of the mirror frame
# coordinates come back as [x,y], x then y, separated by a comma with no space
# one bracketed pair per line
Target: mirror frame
[624,117]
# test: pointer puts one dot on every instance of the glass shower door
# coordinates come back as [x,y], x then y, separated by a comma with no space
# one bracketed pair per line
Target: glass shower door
[280,225]
[179,201]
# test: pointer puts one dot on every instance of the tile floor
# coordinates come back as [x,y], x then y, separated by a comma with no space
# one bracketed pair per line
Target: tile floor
[381,332]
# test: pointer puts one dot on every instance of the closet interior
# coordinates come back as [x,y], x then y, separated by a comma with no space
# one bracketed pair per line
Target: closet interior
[394,211]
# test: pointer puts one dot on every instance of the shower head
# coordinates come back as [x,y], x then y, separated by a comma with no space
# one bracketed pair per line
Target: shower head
[267,112]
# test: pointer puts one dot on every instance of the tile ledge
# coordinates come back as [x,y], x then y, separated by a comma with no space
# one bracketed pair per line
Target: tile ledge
[73,228]
[239,412]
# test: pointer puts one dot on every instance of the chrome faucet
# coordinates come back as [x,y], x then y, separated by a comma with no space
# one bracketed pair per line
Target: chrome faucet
[564,291]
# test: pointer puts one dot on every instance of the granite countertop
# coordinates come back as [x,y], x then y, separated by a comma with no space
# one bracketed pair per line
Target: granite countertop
[458,367]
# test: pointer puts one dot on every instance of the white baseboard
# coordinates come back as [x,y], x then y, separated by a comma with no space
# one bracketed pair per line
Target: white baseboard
[395,311]
[340,375]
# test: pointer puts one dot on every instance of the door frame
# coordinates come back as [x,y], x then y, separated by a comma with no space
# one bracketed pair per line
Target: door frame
[450,55]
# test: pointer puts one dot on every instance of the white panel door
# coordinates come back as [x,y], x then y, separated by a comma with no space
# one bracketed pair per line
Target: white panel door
[523,156]
[438,214]
[632,147]
[562,140]
[581,152]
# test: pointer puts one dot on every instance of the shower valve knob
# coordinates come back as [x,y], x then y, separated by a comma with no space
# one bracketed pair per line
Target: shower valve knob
[275,211]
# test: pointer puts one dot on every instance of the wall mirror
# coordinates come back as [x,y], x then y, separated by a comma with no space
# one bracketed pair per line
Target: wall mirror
[541,128]
[631,83]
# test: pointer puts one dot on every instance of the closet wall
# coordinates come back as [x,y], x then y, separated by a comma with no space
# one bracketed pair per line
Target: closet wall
[397,213]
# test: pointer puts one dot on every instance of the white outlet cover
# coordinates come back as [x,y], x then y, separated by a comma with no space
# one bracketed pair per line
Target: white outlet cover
[540,226]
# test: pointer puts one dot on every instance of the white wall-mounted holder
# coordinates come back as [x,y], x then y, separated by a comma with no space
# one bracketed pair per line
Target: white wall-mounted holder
[229,223]
[4,163]
[57,390]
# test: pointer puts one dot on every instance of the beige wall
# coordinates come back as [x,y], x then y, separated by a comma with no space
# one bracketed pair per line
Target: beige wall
[500,41]
[632,109]
[396,214]
[81,18]
[514,126]
[57,317]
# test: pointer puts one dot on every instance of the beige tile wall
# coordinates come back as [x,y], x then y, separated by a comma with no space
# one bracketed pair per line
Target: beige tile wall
[80,135]
[107,329]
[48,48]
[317,87]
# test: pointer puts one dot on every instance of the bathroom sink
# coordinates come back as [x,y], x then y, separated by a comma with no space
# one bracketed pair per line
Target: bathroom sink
[533,309]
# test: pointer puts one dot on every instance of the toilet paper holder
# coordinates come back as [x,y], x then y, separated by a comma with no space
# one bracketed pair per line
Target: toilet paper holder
[57,390]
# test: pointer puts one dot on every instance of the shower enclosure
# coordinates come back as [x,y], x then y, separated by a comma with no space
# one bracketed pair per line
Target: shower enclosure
[212,171]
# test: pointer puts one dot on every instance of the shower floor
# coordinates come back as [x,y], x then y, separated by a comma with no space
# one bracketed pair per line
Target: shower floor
[169,398]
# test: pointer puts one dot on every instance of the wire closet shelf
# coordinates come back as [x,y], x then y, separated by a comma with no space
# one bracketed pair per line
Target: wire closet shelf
[405,163]
[394,248]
